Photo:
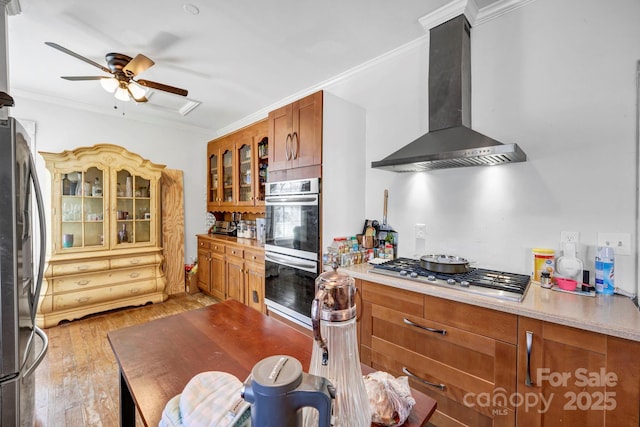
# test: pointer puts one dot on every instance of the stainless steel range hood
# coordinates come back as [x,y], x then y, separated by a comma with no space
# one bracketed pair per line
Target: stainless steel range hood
[451,142]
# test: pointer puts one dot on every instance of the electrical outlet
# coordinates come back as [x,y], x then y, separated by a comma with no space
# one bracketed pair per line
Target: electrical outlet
[421,231]
[569,237]
[620,242]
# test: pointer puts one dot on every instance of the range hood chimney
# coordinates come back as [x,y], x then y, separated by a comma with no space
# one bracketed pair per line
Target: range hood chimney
[451,142]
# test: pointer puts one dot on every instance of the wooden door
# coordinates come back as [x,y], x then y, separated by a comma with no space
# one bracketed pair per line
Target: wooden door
[204,269]
[307,131]
[255,285]
[280,129]
[245,153]
[227,174]
[218,282]
[235,279]
[214,165]
[558,360]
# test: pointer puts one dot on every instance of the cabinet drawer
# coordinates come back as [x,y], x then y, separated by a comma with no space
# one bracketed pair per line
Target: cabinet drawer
[80,267]
[254,255]
[437,377]
[234,251]
[204,243]
[108,293]
[133,261]
[491,323]
[79,282]
[394,298]
[217,247]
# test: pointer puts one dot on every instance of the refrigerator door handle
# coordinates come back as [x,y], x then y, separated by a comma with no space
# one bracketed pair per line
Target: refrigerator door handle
[43,237]
[40,357]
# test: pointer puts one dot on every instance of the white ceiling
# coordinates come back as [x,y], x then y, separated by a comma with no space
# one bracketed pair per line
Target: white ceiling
[236,57]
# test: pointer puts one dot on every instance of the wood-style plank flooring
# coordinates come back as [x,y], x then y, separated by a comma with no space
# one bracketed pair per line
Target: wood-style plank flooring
[77,384]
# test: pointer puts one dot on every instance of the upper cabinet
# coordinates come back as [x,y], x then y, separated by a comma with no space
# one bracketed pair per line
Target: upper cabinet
[238,165]
[103,198]
[295,136]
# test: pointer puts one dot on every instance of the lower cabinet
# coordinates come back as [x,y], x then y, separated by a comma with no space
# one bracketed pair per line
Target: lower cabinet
[84,284]
[568,376]
[231,270]
[456,353]
[489,368]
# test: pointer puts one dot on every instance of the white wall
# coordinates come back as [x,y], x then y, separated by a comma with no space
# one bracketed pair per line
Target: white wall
[558,78]
[60,128]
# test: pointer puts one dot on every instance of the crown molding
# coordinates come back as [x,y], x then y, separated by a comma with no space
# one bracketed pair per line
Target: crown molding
[475,15]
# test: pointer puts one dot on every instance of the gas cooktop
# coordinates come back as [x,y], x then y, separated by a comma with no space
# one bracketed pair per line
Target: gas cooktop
[491,283]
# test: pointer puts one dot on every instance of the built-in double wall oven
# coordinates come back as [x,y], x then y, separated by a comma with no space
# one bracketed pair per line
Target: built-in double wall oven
[292,248]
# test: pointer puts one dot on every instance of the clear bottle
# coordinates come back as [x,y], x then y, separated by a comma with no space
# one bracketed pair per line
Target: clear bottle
[123,235]
[96,189]
[605,258]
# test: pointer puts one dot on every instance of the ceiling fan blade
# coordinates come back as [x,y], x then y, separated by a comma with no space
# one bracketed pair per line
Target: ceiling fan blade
[163,87]
[137,65]
[78,78]
[75,55]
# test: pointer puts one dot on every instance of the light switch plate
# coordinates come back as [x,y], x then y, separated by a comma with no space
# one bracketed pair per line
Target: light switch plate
[620,242]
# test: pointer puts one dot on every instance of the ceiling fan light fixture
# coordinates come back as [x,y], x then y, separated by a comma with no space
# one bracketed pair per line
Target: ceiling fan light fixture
[122,94]
[109,84]
[137,91]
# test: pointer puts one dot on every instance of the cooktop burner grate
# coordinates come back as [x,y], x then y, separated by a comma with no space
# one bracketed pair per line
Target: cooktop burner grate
[510,286]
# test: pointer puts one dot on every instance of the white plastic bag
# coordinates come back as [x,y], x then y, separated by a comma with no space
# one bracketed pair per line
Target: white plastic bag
[390,398]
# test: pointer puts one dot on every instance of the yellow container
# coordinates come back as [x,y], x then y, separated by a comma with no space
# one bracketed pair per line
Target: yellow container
[543,260]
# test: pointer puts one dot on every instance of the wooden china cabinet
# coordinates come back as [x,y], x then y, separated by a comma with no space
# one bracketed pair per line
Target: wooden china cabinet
[238,170]
[105,245]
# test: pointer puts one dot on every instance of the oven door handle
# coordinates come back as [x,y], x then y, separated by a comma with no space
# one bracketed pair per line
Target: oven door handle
[309,266]
[292,200]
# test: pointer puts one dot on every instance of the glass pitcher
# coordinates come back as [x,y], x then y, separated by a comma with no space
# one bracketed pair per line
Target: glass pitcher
[335,353]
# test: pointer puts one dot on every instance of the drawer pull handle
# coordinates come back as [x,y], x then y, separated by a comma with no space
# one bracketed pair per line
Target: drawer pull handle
[83,282]
[411,374]
[134,290]
[82,267]
[528,381]
[134,275]
[435,331]
[83,299]
[134,261]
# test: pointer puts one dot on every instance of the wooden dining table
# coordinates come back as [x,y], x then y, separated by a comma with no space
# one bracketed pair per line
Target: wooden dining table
[158,358]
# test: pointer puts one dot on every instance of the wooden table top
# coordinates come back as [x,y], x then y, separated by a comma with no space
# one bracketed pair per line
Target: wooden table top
[158,358]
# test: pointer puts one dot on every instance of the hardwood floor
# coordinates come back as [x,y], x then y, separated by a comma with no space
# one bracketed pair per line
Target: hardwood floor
[77,384]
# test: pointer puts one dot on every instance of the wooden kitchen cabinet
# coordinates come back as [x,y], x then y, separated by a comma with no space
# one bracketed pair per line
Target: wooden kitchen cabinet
[254,276]
[295,139]
[106,249]
[231,270]
[211,268]
[455,353]
[584,378]
[237,165]
[235,273]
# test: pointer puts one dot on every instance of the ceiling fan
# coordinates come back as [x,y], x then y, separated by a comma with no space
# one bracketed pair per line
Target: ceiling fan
[123,69]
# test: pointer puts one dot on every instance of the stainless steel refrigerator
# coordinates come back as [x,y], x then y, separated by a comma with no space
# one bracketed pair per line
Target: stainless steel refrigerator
[22,226]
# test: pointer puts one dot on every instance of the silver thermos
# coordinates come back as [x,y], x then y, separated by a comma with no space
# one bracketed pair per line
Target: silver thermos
[278,389]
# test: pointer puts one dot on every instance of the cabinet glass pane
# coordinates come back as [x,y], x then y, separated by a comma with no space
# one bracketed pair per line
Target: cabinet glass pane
[82,209]
[213,178]
[263,165]
[227,176]
[244,174]
[125,210]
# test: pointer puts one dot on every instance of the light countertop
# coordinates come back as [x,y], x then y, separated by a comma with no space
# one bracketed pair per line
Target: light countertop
[607,314]
[252,243]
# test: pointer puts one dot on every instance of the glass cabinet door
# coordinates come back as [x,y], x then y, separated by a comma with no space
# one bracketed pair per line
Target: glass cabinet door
[214,177]
[133,209]
[82,209]
[263,166]
[227,175]
[244,178]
